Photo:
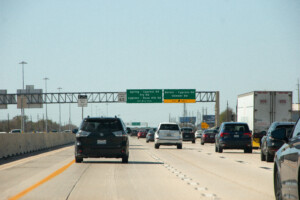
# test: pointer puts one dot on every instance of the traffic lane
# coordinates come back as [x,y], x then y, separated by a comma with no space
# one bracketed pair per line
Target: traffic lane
[237,155]
[18,175]
[225,178]
[99,178]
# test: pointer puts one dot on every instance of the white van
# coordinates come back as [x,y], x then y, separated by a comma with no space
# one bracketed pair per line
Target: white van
[168,134]
[15,131]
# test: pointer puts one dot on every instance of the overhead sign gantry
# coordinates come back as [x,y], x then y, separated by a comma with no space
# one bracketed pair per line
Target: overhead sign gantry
[130,96]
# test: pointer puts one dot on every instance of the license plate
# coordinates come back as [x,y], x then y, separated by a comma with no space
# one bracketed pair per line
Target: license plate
[186,136]
[212,136]
[236,136]
[101,141]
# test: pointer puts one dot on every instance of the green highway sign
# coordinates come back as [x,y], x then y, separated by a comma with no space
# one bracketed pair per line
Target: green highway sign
[135,123]
[180,96]
[144,96]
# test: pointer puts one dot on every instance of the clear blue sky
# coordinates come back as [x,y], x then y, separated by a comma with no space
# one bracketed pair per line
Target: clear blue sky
[229,46]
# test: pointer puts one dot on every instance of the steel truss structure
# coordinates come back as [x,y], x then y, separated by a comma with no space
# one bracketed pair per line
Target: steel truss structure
[93,97]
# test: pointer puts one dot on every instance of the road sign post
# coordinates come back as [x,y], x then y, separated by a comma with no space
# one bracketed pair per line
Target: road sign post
[82,102]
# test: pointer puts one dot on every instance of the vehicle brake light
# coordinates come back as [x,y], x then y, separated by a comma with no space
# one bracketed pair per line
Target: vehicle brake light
[119,133]
[224,134]
[205,135]
[248,134]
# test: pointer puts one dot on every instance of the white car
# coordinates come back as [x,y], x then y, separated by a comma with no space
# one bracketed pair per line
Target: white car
[168,134]
[198,133]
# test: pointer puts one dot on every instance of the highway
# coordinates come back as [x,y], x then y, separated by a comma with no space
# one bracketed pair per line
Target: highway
[194,172]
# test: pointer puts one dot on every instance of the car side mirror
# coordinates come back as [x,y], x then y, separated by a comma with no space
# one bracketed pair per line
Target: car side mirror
[264,133]
[279,134]
[75,130]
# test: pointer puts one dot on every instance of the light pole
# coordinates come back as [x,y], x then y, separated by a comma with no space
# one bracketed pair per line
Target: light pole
[69,116]
[59,109]
[22,106]
[46,79]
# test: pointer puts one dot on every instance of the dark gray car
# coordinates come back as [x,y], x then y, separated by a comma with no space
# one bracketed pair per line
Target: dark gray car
[234,135]
[287,164]
[150,136]
[102,137]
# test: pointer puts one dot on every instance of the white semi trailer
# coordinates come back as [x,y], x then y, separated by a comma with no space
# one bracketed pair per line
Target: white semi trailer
[261,108]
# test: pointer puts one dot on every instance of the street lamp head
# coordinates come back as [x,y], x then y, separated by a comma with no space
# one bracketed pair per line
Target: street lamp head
[23,62]
[45,78]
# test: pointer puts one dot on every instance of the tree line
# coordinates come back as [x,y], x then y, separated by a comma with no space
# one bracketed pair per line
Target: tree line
[30,126]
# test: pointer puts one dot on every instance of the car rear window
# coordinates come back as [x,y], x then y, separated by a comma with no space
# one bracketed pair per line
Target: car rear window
[173,127]
[236,128]
[210,131]
[98,125]
[186,129]
[289,128]
[285,126]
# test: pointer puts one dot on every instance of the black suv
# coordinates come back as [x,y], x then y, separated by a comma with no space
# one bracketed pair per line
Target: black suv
[269,145]
[188,134]
[102,137]
[234,135]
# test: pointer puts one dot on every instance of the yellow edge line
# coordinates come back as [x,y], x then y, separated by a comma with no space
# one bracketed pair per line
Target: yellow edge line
[59,171]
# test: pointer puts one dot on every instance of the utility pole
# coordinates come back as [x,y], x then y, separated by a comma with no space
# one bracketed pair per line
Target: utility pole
[8,128]
[46,79]
[298,106]
[38,122]
[22,106]
[69,116]
[184,110]
[298,89]
[227,112]
[59,130]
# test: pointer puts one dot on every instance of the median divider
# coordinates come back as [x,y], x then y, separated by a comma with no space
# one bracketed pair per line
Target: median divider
[12,144]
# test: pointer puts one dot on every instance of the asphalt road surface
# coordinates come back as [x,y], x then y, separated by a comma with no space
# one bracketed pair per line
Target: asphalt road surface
[194,172]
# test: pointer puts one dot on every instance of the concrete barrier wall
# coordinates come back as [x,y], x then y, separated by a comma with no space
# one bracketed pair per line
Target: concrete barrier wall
[12,144]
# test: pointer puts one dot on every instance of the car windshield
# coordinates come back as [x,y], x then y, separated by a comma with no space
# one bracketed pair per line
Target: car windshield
[173,127]
[236,128]
[99,125]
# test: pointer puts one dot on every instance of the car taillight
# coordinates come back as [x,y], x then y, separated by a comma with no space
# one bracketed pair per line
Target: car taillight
[119,134]
[224,134]
[248,134]
[205,135]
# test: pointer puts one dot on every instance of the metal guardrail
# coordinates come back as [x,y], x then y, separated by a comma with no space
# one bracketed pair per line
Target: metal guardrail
[93,97]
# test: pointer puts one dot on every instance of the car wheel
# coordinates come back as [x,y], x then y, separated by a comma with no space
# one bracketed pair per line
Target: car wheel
[179,146]
[269,157]
[78,159]
[202,143]
[193,141]
[125,159]
[277,185]
[216,149]
[262,155]
[156,146]
[220,150]
[248,150]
